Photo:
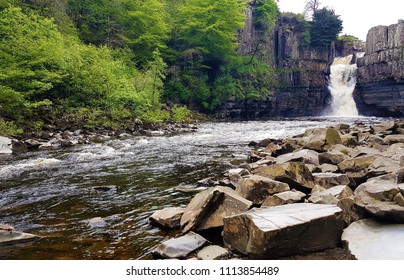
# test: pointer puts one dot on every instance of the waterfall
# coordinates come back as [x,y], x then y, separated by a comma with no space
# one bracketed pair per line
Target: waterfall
[342,85]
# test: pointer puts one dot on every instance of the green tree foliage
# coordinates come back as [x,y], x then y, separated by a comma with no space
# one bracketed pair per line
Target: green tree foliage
[325,27]
[31,60]
[210,26]
[265,14]
[138,24]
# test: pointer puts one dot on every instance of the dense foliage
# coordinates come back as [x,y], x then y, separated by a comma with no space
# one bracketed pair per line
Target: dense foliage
[106,62]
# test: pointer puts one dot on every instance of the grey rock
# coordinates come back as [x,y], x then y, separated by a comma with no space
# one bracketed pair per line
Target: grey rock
[373,240]
[320,139]
[97,222]
[356,164]
[180,247]
[168,217]
[5,145]
[278,231]
[305,156]
[327,168]
[331,196]
[213,252]
[333,157]
[9,235]
[208,208]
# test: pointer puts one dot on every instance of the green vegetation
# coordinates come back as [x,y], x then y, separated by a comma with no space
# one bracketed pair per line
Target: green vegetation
[104,63]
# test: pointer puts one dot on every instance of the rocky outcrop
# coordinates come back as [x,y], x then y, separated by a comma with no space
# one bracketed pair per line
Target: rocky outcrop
[302,71]
[380,87]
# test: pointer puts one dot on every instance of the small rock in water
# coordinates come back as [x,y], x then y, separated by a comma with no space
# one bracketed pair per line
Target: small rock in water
[9,235]
[5,145]
[168,217]
[97,222]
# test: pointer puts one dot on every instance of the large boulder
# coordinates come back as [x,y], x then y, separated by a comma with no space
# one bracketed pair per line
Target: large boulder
[9,235]
[356,164]
[208,208]
[168,217]
[296,174]
[271,232]
[333,157]
[320,139]
[258,188]
[5,145]
[306,156]
[330,196]
[181,247]
[374,240]
[382,198]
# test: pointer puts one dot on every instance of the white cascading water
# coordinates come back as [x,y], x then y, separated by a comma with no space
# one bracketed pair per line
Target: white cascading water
[342,85]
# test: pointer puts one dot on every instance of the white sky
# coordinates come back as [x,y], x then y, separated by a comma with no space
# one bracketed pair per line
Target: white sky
[358,15]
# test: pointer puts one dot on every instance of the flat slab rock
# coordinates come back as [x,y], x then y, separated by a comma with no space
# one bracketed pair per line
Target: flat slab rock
[168,217]
[284,230]
[212,252]
[181,247]
[9,236]
[372,240]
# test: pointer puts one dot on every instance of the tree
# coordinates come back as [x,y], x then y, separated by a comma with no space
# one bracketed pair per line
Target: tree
[325,27]
[310,8]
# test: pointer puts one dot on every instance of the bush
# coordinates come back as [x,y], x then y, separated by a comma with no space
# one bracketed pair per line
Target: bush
[9,129]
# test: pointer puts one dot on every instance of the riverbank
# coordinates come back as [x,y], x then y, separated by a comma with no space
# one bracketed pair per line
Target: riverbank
[328,193]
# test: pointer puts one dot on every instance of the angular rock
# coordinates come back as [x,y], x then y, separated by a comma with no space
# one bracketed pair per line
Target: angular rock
[373,240]
[282,198]
[349,140]
[392,139]
[356,164]
[306,156]
[208,208]
[295,174]
[340,148]
[258,188]
[168,217]
[363,151]
[278,231]
[320,139]
[377,197]
[330,196]
[181,247]
[213,252]
[384,165]
[334,157]
[5,145]
[327,168]
[328,180]
[9,235]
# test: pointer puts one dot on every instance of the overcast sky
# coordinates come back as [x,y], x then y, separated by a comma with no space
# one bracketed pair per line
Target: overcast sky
[358,15]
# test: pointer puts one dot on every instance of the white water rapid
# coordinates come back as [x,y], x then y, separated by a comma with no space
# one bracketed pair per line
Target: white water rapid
[342,85]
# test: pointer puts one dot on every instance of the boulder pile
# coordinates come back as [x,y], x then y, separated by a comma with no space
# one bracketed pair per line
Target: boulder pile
[305,194]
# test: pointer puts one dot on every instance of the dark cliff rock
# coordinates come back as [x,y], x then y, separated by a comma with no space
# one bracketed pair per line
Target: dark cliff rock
[302,71]
[380,87]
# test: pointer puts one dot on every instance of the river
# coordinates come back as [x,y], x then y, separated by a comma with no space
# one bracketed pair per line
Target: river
[54,194]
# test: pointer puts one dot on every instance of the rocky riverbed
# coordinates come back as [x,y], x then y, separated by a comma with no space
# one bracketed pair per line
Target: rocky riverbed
[330,193]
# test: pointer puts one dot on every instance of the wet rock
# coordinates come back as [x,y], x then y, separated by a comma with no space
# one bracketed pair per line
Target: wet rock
[9,235]
[270,232]
[282,198]
[181,247]
[238,171]
[168,217]
[258,188]
[18,147]
[377,196]
[328,180]
[264,143]
[320,139]
[97,222]
[5,145]
[306,156]
[213,252]
[374,240]
[295,174]
[189,189]
[208,208]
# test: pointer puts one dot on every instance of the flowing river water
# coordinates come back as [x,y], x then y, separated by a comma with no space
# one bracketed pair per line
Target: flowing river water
[55,194]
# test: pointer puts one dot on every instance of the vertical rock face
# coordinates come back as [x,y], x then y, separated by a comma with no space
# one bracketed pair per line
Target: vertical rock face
[302,71]
[380,87]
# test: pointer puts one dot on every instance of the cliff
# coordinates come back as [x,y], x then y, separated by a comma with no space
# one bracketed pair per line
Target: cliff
[301,71]
[380,87]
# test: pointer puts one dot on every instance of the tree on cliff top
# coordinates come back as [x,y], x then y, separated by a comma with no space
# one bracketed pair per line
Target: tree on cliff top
[325,27]
[310,8]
